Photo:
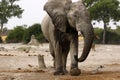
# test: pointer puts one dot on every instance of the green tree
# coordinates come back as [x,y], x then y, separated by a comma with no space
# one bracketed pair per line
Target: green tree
[118,30]
[9,9]
[35,29]
[114,33]
[104,10]
[98,32]
[16,35]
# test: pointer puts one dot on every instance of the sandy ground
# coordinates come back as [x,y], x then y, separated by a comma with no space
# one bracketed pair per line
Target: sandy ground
[20,62]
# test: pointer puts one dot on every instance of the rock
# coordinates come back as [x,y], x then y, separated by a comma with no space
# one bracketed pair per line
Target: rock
[96,71]
[3,49]
[33,41]
[30,65]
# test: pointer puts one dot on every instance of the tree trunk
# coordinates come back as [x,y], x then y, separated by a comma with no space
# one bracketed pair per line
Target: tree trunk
[104,34]
[1,28]
[41,61]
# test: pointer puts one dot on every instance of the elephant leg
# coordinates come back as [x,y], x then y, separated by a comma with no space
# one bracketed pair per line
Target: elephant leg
[58,59]
[74,53]
[52,53]
[64,58]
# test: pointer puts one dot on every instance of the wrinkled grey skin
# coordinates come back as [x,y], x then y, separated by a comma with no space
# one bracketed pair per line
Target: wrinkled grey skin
[61,26]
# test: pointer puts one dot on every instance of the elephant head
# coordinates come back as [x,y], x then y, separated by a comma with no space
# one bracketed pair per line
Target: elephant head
[79,18]
[64,12]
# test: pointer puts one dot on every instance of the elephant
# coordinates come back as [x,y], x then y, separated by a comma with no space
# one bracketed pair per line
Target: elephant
[64,22]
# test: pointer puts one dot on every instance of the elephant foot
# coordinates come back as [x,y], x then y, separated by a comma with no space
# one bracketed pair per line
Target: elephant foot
[75,72]
[65,71]
[59,73]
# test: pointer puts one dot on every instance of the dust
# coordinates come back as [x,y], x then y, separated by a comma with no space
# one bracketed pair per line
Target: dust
[16,64]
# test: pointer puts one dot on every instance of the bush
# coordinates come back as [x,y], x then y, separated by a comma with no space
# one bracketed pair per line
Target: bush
[33,30]
[118,30]
[16,35]
[22,34]
[98,32]
[26,36]
[113,36]
[41,38]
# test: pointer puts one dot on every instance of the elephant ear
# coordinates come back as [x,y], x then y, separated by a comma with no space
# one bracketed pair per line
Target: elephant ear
[57,11]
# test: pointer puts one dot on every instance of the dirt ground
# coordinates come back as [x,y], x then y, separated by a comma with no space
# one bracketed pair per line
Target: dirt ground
[20,62]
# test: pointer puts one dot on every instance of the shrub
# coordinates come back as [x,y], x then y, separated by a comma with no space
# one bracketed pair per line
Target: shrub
[113,36]
[35,29]
[26,36]
[41,38]
[98,32]
[118,30]
[16,35]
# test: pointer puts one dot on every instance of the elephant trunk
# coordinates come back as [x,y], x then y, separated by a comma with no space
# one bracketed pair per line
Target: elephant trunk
[88,40]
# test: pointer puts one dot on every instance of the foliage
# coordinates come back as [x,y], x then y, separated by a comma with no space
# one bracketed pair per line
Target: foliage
[113,35]
[23,34]
[41,38]
[118,30]
[104,10]
[26,36]
[35,29]
[98,32]
[16,35]
[9,9]
[89,3]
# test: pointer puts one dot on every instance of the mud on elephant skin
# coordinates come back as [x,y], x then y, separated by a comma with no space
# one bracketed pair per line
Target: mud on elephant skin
[61,27]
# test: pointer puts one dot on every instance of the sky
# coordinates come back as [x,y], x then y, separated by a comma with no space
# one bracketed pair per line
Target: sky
[34,13]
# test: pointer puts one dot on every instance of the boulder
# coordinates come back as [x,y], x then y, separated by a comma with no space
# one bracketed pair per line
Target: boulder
[33,41]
